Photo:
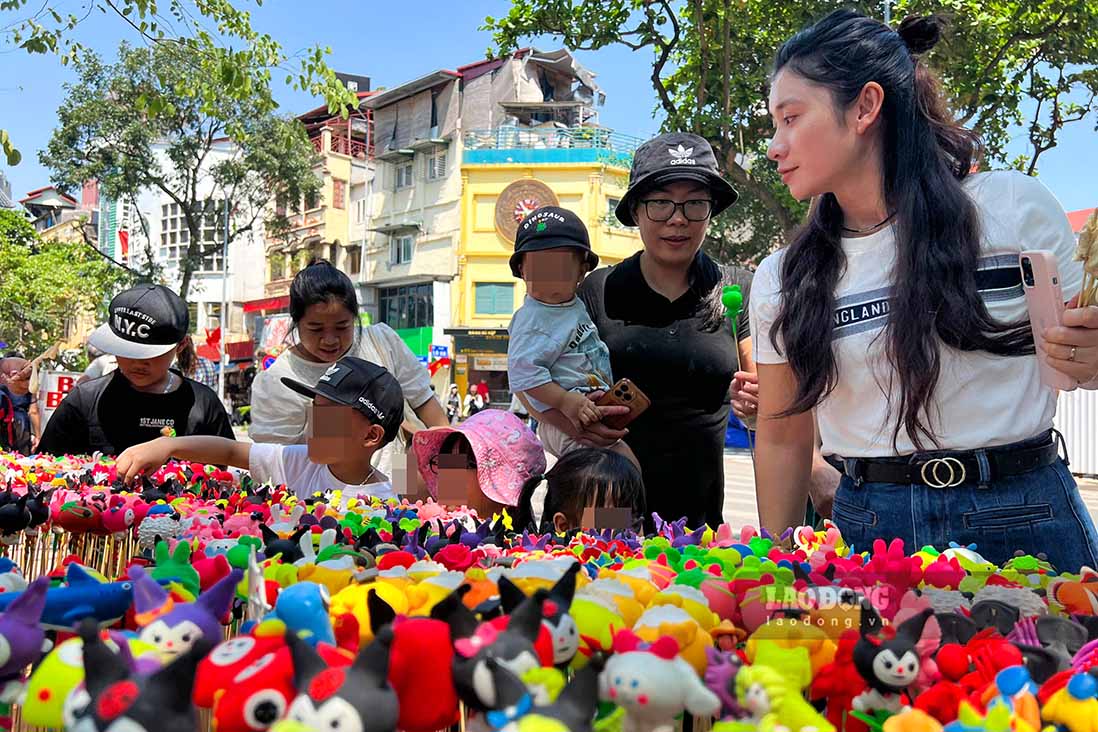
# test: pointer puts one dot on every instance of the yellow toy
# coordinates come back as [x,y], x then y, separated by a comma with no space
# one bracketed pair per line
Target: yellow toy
[1075,707]
[621,595]
[673,621]
[352,599]
[792,633]
[691,600]
[597,620]
[638,580]
[771,701]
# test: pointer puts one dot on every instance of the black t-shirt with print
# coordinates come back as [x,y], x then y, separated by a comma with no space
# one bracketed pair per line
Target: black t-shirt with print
[108,415]
[671,351]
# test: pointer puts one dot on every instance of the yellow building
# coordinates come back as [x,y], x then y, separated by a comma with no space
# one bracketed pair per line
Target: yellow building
[500,185]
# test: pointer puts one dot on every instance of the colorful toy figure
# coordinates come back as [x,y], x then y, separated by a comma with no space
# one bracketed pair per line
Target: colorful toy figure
[356,698]
[303,607]
[768,699]
[120,700]
[889,662]
[1075,597]
[720,678]
[173,629]
[561,626]
[83,597]
[653,684]
[572,711]
[22,641]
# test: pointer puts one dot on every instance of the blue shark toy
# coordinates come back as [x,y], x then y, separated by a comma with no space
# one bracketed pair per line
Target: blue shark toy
[83,596]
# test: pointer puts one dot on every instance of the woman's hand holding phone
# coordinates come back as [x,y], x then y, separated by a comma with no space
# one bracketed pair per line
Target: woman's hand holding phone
[1072,346]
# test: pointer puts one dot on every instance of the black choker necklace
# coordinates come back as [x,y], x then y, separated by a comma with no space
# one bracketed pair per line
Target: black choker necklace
[871,228]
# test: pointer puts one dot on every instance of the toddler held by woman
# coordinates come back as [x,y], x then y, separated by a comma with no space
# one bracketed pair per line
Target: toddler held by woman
[555,355]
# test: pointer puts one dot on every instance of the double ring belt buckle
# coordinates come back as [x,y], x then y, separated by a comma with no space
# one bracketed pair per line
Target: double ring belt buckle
[935,479]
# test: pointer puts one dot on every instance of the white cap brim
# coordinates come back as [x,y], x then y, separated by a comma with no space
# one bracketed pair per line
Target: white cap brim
[106,341]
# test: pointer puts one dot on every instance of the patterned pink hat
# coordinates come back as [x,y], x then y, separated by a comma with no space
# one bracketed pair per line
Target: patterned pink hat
[507,453]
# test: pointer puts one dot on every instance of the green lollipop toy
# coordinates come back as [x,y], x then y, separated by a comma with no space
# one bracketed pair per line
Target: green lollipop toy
[732,299]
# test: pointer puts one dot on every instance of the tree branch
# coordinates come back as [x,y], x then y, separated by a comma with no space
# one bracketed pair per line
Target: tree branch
[761,191]
[665,53]
[973,105]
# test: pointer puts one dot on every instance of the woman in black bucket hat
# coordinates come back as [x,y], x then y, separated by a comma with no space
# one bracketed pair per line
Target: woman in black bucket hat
[660,314]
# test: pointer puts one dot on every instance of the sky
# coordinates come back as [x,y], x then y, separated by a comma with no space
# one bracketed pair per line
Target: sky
[393,42]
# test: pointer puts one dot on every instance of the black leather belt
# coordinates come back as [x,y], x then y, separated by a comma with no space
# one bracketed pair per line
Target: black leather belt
[951,469]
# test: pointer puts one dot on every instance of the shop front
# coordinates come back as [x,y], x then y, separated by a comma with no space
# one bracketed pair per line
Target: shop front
[480,354]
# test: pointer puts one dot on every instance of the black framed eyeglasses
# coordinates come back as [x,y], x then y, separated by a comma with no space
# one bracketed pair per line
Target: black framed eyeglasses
[661,209]
[451,460]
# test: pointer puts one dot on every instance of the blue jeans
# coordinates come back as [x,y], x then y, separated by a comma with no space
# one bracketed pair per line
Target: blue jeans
[1037,512]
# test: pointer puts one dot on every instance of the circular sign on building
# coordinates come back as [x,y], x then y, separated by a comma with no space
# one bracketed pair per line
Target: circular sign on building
[517,201]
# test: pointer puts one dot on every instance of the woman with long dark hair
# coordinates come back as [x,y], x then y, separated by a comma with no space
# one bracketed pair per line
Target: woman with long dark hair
[898,312]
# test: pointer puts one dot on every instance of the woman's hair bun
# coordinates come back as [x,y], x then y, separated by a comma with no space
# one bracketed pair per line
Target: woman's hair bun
[921,33]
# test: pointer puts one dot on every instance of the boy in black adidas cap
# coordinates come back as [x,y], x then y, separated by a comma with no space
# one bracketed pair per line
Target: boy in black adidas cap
[357,410]
[554,355]
[146,330]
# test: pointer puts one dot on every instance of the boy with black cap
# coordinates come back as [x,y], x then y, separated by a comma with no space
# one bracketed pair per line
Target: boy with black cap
[554,355]
[357,410]
[144,397]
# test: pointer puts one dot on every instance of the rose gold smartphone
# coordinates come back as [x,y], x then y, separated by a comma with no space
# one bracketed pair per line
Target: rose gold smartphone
[1045,302]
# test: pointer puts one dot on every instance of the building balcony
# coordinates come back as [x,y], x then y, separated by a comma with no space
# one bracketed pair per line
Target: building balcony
[511,145]
[340,145]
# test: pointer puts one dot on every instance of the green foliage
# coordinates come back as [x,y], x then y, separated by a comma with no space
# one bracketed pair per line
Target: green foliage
[233,61]
[145,123]
[47,282]
[711,63]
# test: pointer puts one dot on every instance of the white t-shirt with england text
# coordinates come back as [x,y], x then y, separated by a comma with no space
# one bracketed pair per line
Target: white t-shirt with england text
[981,400]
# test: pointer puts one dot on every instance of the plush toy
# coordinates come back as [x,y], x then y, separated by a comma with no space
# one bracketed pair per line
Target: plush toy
[767,697]
[1075,707]
[420,666]
[173,629]
[513,648]
[720,678]
[22,641]
[55,690]
[119,700]
[597,619]
[572,711]
[11,577]
[259,693]
[653,684]
[839,683]
[357,698]
[1075,597]
[303,607]
[175,566]
[889,662]
[561,625]
[82,597]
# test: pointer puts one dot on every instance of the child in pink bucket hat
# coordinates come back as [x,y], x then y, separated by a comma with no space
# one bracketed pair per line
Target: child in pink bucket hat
[506,452]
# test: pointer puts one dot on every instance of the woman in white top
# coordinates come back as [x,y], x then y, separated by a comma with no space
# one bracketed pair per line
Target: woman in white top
[324,311]
[898,313]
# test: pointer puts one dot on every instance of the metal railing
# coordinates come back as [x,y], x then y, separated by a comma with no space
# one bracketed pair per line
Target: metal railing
[505,138]
[342,146]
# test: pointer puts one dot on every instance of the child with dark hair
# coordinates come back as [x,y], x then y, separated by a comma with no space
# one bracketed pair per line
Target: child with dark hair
[584,478]
[325,315]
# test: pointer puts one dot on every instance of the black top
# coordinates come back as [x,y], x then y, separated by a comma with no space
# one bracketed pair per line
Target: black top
[672,352]
[108,415]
